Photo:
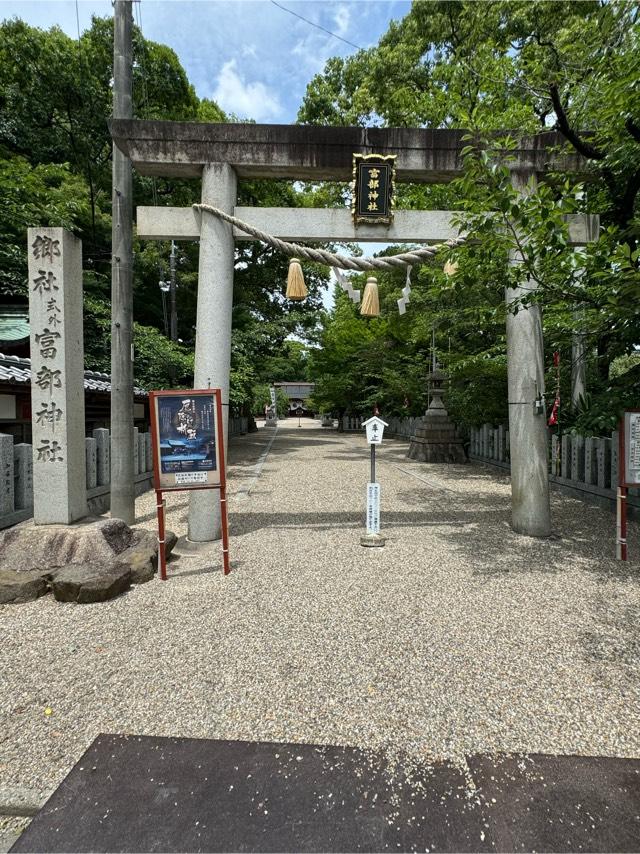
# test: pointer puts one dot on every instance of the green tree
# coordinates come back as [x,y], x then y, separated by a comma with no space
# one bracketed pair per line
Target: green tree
[528,66]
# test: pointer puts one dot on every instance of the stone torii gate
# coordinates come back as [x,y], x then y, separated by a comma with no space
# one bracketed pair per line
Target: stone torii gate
[222,153]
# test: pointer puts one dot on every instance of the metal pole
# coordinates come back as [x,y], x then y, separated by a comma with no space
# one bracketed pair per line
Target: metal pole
[373,463]
[122,474]
[172,294]
[621,505]
[433,347]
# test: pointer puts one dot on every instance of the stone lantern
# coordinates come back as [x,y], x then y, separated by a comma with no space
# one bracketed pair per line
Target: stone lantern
[435,439]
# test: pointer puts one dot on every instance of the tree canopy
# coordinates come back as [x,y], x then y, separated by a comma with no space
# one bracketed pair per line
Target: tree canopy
[508,67]
[55,169]
[523,67]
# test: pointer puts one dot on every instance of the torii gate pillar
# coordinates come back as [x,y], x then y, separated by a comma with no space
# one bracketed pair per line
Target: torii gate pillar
[530,510]
[213,324]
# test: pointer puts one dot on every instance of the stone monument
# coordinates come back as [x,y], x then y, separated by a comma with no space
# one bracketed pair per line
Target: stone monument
[435,439]
[57,376]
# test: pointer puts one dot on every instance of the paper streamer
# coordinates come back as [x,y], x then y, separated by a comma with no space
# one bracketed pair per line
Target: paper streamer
[345,284]
[404,299]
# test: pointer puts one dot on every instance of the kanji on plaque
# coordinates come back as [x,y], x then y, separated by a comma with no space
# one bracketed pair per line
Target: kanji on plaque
[49,414]
[373,179]
[53,313]
[48,378]
[45,247]
[50,451]
[47,343]
[45,281]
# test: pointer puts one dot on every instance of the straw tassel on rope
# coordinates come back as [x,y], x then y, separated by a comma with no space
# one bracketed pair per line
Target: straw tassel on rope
[370,302]
[296,288]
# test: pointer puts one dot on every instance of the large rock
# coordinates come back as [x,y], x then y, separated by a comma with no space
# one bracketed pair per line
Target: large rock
[90,561]
[90,582]
[27,547]
[170,540]
[17,587]
[142,555]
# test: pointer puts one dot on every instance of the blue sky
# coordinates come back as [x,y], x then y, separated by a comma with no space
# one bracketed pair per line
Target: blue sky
[250,56]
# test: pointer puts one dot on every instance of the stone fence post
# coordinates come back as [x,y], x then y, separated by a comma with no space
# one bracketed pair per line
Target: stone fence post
[7,495]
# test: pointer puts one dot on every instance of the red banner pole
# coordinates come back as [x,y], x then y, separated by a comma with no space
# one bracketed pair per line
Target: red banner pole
[161,537]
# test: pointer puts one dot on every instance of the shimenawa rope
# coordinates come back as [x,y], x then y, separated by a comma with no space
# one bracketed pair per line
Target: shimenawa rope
[322,256]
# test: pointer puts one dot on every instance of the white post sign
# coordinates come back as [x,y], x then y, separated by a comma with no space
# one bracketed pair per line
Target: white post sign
[57,376]
[273,415]
[375,430]
[632,451]
[373,508]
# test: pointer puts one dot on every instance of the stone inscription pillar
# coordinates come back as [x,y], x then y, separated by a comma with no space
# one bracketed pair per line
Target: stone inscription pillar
[213,324]
[57,376]
[530,510]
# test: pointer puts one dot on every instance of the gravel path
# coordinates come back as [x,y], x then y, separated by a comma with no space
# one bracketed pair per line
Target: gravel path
[458,637]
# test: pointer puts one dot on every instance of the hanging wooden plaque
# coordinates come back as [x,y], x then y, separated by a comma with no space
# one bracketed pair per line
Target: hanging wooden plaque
[372,186]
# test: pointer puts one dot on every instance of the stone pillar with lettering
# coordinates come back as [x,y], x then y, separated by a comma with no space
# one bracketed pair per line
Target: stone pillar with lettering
[57,376]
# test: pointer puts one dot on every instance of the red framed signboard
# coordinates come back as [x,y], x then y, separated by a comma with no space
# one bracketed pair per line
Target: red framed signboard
[628,472]
[188,452]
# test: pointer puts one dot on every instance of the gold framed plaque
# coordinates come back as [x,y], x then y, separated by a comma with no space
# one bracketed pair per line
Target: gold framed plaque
[372,199]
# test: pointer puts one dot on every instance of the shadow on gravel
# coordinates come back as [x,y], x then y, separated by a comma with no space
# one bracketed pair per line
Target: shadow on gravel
[246,523]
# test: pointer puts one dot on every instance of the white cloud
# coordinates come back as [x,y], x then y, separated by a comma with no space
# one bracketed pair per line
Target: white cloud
[342,18]
[246,100]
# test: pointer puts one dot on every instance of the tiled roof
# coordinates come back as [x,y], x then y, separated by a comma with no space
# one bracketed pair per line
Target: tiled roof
[14,369]
[14,326]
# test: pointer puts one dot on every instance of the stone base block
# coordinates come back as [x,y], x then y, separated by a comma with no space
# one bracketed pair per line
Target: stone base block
[372,541]
[436,452]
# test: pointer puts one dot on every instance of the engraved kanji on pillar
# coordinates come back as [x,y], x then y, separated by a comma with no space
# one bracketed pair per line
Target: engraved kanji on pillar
[57,376]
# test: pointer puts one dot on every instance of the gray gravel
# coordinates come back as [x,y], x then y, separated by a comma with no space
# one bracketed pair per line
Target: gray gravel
[458,637]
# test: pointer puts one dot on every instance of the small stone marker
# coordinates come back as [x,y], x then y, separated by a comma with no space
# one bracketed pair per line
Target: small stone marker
[103,455]
[92,462]
[148,452]
[136,452]
[142,456]
[23,467]
[57,376]
[6,475]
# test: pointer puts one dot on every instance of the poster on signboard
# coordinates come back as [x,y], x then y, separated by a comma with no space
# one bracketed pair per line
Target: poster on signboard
[186,448]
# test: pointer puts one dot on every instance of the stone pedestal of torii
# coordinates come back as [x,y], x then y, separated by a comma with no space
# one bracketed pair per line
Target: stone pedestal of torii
[221,152]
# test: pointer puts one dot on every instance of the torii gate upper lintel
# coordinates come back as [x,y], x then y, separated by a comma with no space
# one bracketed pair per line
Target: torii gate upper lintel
[221,153]
[320,153]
